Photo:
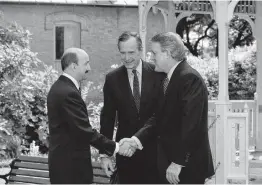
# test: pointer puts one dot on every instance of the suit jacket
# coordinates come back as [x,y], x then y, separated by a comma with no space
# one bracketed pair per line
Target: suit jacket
[118,98]
[181,125]
[71,135]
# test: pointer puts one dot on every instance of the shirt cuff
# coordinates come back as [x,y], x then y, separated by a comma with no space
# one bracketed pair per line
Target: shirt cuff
[139,145]
[103,156]
[116,149]
[178,164]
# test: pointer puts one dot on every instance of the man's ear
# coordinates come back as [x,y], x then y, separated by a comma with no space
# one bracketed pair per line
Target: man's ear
[168,54]
[73,65]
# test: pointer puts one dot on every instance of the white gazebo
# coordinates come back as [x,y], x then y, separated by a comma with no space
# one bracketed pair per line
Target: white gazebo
[226,120]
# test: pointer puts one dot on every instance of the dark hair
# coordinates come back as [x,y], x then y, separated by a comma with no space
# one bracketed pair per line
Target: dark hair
[67,59]
[172,42]
[127,35]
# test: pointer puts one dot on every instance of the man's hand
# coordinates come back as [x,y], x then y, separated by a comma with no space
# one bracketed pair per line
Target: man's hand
[107,165]
[127,147]
[172,173]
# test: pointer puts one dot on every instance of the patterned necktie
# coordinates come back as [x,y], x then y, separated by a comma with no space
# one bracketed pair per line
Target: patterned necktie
[136,92]
[165,84]
[79,90]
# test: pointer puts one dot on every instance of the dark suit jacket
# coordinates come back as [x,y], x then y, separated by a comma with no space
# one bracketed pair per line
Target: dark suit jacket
[71,135]
[118,98]
[181,125]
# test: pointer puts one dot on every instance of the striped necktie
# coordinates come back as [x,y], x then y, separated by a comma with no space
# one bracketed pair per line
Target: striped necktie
[165,84]
[136,92]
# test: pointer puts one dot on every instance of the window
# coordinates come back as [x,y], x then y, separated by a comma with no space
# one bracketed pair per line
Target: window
[67,34]
[59,42]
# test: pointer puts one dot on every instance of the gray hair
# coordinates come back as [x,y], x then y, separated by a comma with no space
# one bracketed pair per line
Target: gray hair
[172,42]
[127,35]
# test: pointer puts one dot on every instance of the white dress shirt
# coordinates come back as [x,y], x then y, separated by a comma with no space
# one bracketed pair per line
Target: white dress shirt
[72,79]
[130,75]
[77,86]
[169,75]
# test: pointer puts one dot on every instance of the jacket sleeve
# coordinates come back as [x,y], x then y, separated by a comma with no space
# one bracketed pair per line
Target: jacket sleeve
[148,131]
[193,99]
[76,115]
[108,112]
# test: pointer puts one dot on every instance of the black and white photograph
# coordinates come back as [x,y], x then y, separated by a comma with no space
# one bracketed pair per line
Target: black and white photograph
[130,92]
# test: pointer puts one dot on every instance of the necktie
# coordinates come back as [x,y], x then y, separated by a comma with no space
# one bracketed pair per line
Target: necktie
[136,92]
[165,84]
[80,90]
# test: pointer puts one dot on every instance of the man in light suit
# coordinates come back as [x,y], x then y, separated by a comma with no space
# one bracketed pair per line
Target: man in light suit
[180,123]
[131,92]
[70,131]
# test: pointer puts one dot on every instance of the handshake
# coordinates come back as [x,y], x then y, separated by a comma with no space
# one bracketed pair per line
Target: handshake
[127,147]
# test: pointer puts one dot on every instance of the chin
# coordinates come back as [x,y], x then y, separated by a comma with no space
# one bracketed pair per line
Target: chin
[129,66]
[158,70]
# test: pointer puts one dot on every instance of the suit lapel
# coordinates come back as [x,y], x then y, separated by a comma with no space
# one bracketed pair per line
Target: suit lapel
[146,84]
[68,81]
[173,82]
[126,89]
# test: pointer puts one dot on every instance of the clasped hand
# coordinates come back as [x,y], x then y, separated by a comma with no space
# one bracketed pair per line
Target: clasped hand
[127,147]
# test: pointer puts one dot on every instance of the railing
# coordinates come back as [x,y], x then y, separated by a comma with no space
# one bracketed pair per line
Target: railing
[237,135]
[237,106]
[237,127]
[194,6]
[204,6]
[246,7]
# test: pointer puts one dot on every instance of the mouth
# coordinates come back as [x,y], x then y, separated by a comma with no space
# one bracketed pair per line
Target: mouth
[128,62]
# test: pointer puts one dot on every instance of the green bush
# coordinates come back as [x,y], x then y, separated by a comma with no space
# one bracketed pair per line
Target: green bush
[24,84]
[242,73]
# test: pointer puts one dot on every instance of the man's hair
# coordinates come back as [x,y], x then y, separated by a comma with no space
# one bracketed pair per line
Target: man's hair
[67,59]
[127,35]
[172,42]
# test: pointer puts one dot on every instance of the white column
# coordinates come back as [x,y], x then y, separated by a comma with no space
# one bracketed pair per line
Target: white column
[258,28]
[222,105]
[165,15]
[171,18]
[142,25]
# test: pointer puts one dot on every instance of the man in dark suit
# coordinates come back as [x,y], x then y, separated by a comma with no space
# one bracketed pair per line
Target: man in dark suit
[180,123]
[70,131]
[130,91]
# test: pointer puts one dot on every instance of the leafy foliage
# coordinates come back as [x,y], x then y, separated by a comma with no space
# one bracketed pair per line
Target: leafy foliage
[242,73]
[200,34]
[24,84]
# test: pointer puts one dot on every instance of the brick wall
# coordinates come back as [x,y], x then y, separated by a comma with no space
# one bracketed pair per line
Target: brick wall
[104,25]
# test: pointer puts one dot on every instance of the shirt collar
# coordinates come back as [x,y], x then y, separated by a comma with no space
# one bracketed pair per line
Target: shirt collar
[169,74]
[138,69]
[72,79]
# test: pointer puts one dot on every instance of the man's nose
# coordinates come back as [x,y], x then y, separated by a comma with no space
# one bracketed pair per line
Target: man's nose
[88,67]
[126,56]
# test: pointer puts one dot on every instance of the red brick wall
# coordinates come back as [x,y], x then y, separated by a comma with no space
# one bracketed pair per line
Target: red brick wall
[100,40]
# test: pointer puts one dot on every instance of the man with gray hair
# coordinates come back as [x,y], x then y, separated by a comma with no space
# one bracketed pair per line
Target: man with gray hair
[71,134]
[180,123]
[131,92]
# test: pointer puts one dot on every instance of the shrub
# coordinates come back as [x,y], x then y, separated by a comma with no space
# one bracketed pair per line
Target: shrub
[242,73]
[24,84]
